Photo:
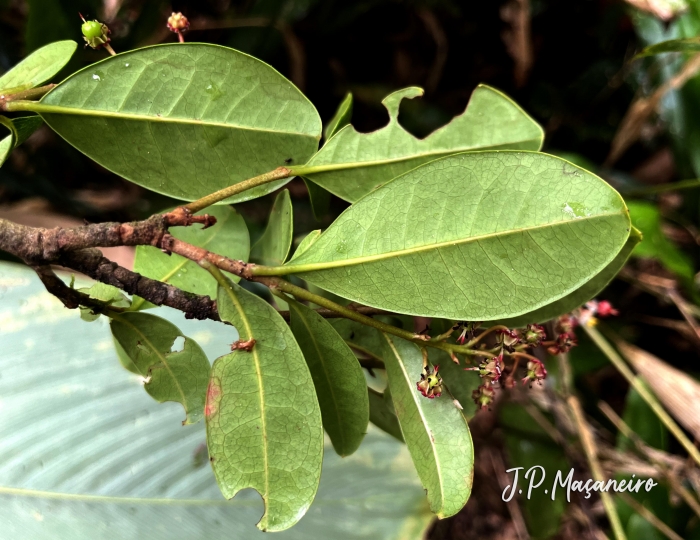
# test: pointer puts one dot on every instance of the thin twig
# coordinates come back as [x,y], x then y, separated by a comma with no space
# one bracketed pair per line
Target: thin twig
[513,509]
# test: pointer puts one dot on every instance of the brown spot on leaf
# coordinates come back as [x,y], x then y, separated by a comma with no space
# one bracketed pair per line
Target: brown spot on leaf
[213,398]
[243,345]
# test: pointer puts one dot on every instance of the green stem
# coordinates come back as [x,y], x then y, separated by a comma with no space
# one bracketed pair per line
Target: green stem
[645,393]
[218,196]
[15,102]
[299,292]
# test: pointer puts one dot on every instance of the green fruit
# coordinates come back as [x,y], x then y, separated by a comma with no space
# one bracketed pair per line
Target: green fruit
[91,29]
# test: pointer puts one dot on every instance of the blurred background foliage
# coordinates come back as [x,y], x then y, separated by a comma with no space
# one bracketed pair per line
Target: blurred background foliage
[572,66]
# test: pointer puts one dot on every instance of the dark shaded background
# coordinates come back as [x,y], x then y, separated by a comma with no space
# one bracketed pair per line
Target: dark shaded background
[578,81]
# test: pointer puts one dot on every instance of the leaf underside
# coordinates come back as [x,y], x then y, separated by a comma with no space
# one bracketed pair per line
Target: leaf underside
[39,66]
[581,295]
[352,164]
[435,431]
[185,120]
[273,246]
[474,236]
[337,375]
[180,376]
[264,427]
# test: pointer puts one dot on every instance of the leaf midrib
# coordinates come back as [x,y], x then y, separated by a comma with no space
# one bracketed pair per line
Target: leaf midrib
[57,109]
[256,358]
[325,371]
[433,447]
[163,359]
[310,168]
[311,267]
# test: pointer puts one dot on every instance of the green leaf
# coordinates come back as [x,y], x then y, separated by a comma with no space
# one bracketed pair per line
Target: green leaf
[320,199]
[85,454]
[180,376]
[228,237]
[25,126]
[382,415]
[306,243]
[361,338]
[645,216]
[273,246]
[352,164]
[475,236]
[436,433]
[673,45]
[584,293]
[340,119]
[337,375]
[264,427]
[5,148]
[39,66]
[185,120]
[105,293]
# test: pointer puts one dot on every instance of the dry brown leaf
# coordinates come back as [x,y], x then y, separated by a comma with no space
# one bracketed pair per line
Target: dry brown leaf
[677,391]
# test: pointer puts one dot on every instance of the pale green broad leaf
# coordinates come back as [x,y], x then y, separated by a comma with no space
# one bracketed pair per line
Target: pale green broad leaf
[474,236]
[264,427]
[85,454]
[185,120]
[436,433]
[381,413]
[320,199]
[340,119]
[180,376]
[352,164]
[273,246]
[39,66]
[337,375]
[108,294]
[228,237]
[581,295]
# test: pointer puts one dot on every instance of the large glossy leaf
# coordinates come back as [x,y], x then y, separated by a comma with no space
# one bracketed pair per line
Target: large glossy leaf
[39,66]
[228,237]
[584,293]
[435,431]
[85,454]
[273,246]
[475,236]
[338,378]
[264,427]
[185,120]
[352,164]
[180,376]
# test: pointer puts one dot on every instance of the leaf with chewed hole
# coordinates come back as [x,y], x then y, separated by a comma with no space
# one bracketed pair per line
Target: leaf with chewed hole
[180,376]
[436,433]
[264,428]
[351,164]
[337,375]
